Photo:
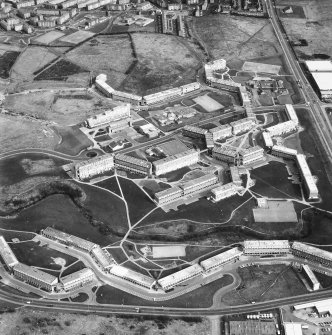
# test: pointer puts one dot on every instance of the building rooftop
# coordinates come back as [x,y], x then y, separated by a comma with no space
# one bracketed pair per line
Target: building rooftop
[267,139]
[293,328]
[291,112]
[133,160]
[176,156]
[102,257]
[81,274]
[323,80]
[220,128]
[319,66]
[267,244]
[225,150]
[322,306]
[127,95]
[94,160]
[195,129]
[35,273]
[285,150]
[7,253]
[123,272]
[222,257]
[168,192]
[179,276]
[199,180]
[241,121]
[251,150]
[252,327]
[312,250]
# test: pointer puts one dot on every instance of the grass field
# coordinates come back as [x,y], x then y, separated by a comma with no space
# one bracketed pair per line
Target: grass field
[315,28]
[202,297]
[31,253]
[253,38]
[272,181]
[111,55]
[110,184]
[263,283]
[159,67]
[7,60]
[73,141]
[138,202]
[22,133]
[31,59]
[48,37]
[73,268]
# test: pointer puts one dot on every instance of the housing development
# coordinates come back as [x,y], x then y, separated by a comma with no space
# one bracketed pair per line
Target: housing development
[165,167]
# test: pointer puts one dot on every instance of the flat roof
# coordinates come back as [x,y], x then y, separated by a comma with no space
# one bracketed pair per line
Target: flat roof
[312,250]
[133,160]
[319,65]
[35,273]
[266,244]
[168,192]
[199,180]
[173,279]
[7,253]
[280,148]
[323,80]
[124,272]
[81,274]
[222,257]
[175,157]
[292,328]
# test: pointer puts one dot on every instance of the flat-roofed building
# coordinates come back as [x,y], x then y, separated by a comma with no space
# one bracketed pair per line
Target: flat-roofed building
[282,128]
[312,253]
[245,99]
[168,195]
[190,87]
[102,257]
[268,142]
[77,279]
[153,98]
[251,155]
[176,162]
[133,164]
[67,239]
[266,247]
[242,125]
[100,82]
[107,117]
[324,83]
[94,166]
[179,277]
[310,276]
[290,111]
[235,175]
[224,191]
[284,152]
[319,66]
[7,254]
[293,328]
[225,153]
[132,276]
[223,258]
[35,277]
[308,179]
[250,113]
[199,184]
[127,97]
[322,306]
[221,132]
[209,142]
[252,327]
[194,132]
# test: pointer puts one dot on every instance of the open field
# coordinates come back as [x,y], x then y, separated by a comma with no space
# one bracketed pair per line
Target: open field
[61,107]
[202,297]
[315,28]
[236,38]
[48,37]
[31,253]
[263,283]
[77,37]
[138,202]
[110,184]
[28,321]
[23,133]
[31,60]
[111,55]
[159,67]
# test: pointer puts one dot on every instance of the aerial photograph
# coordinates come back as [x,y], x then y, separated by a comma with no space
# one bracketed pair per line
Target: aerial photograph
[166,167]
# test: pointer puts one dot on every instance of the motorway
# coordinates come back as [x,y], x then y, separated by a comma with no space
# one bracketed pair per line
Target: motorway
[318,114]
[122,309]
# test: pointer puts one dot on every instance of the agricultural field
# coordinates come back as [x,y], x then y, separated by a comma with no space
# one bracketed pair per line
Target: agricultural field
[31,60]
[236,39]
[111,55]
[315,28]
[24,133]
